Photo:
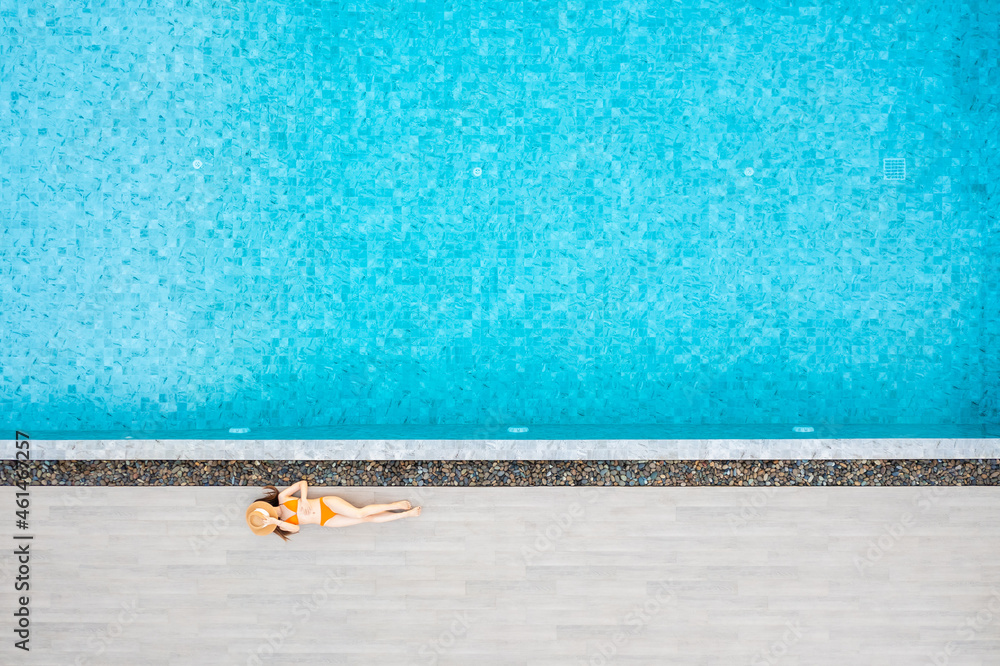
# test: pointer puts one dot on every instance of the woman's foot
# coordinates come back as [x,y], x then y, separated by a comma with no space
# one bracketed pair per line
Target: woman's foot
[401,505]
[415,511]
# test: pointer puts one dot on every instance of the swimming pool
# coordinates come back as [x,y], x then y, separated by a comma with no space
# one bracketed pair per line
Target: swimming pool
[313,214]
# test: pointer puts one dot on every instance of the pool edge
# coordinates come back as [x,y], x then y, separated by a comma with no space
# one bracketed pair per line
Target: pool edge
[485,449]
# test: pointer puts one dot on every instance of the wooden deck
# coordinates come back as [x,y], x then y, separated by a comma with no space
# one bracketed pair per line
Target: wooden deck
[535,576]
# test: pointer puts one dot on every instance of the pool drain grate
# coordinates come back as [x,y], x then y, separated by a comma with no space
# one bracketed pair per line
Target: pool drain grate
[894,168]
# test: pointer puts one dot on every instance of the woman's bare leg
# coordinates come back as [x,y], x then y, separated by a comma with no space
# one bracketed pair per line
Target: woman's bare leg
[384,517]
[343,521]
[345,508]
[389,516]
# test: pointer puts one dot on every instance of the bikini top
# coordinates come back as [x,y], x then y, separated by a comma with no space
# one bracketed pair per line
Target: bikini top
[292,504]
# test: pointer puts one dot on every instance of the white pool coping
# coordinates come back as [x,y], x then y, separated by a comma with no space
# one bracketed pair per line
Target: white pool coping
[598,449]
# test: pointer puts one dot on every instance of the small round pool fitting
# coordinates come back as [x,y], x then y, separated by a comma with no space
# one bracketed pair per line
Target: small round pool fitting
[196,164]
[477,172]
[748,171]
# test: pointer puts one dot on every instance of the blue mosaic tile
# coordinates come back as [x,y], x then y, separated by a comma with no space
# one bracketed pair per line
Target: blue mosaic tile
[269,214]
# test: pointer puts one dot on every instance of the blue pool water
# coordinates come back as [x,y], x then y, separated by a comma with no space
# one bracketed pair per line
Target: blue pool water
[271,214]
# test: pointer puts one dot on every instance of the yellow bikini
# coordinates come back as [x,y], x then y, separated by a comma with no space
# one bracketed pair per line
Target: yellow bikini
[292,504]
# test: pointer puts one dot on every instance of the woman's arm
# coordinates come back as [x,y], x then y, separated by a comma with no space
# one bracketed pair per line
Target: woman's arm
[288,527]
[295,487]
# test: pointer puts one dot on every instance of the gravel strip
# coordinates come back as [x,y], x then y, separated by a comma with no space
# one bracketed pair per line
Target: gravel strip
[479,473]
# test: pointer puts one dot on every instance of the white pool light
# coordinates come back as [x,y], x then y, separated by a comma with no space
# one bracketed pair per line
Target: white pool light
[517,429]
[803,429]
[239,431]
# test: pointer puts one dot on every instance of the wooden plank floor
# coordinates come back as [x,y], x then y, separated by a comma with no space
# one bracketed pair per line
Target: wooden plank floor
[516,576]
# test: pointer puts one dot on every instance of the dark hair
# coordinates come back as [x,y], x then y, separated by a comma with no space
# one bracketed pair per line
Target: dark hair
[272,499]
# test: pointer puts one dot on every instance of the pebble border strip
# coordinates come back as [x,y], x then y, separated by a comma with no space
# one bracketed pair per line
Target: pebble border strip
[489,473]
